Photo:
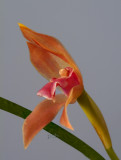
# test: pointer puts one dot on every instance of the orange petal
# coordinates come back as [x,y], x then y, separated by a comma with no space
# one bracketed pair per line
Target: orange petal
[73,95]
[47,64]
[75,92]
[64,120]
[43,61]
[50,44]
[40,117]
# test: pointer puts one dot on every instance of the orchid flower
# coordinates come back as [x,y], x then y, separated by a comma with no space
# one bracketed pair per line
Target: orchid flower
[51,60]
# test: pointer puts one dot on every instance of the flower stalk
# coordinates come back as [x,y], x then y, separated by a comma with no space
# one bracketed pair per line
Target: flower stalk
[97,120]
[112,154]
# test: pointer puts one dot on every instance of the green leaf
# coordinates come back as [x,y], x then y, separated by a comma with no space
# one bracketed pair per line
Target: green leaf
[54,129]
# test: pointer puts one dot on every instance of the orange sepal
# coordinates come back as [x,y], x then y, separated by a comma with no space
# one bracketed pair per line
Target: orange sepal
[51,44]
[73,95]
[45,63]
[43,114]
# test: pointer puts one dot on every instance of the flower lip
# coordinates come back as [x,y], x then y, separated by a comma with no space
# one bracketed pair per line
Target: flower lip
[67,81]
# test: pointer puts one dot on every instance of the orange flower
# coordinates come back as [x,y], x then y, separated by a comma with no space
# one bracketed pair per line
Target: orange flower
[52,60]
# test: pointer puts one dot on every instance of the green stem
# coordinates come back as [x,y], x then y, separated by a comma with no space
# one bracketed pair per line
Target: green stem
[97,120]
[112,154]
[54,129]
